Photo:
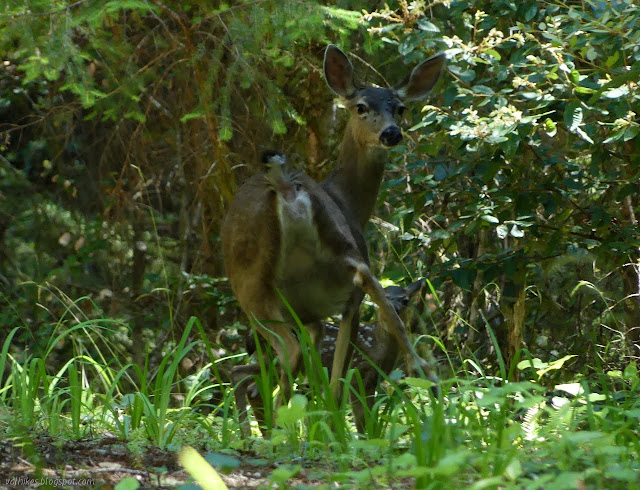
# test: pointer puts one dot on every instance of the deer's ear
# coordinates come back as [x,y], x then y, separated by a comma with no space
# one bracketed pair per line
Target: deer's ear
[422,79]
[339,72]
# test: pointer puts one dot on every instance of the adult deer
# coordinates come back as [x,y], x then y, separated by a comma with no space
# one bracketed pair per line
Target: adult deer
[285,233]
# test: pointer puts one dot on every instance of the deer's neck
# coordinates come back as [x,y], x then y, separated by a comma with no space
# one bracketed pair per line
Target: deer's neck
[358,176]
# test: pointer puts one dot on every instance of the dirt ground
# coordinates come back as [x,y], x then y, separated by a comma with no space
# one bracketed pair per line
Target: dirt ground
[105,462]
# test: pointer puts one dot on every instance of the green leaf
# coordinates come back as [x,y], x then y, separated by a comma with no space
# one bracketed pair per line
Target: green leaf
[531,11]
[419,383]
[192,115]
[516,232]
[222,461]
[555,365]
[534,363]
[425,25]
[513,469]
[611,60]
[493,53]
[630,76]
[408,44]
[622,474]
[575,76]
[616,93]
[397,431]
[128,483]
[482,89]
[573,115]
[550,127]
[580,132]
[631,132]
[293,412]
[630,373]
[225,133]
[583,90]
[465,75]
[614,137]
[490,219]
[284,474]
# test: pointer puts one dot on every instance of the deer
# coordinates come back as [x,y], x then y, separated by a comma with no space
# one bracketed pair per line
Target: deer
[287,236]
[375,354]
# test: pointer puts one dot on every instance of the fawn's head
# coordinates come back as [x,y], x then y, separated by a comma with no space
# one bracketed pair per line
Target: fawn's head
[376,111]
[400,297]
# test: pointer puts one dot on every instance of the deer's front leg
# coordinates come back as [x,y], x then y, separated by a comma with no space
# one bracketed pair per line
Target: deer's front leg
[241,379]
[347,335]
[371,286]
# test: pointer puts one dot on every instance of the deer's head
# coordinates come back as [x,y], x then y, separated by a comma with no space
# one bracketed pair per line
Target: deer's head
[376,112]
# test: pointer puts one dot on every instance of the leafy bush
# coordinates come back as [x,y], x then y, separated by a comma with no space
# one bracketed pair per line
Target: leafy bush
[522,171]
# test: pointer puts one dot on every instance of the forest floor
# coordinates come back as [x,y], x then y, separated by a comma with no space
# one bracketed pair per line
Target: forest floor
[105,462]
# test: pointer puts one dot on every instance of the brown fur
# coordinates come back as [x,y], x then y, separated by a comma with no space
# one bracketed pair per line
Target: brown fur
[331,275]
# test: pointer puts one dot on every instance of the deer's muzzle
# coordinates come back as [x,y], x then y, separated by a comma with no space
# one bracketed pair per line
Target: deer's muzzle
[391,136]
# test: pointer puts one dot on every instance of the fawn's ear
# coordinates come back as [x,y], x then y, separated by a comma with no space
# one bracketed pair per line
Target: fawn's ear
[339,72]
[414,287]
[422,79]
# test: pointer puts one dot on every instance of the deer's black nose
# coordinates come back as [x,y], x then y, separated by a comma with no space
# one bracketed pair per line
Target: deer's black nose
[391,136]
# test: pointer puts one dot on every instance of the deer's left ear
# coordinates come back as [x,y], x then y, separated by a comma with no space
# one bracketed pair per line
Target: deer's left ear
[422,79]
[338,72]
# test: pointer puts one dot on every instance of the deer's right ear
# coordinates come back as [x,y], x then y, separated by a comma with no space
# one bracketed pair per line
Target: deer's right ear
[422,79]
[339,72]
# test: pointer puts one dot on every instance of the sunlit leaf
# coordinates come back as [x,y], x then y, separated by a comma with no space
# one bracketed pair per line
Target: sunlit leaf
[425,25]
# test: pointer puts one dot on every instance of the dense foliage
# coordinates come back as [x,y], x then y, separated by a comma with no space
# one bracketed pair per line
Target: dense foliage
[126,125]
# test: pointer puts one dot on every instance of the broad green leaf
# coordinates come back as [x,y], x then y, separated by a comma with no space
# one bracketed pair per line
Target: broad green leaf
[573,115]
[293,412]
[465,75]
[616,93]
[493,53]
[128,483]
[580,132]
[630,373]
[425,25]
[516,232]
[534,363]
[222,461]
[490,219]
[419,382]
[531,11]
[284,473]
[513,469]
[482,89]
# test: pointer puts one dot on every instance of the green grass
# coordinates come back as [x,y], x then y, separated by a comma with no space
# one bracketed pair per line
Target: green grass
[481,432]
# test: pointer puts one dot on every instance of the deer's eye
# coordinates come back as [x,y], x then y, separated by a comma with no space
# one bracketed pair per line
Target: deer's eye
[400,110]
[362,109]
